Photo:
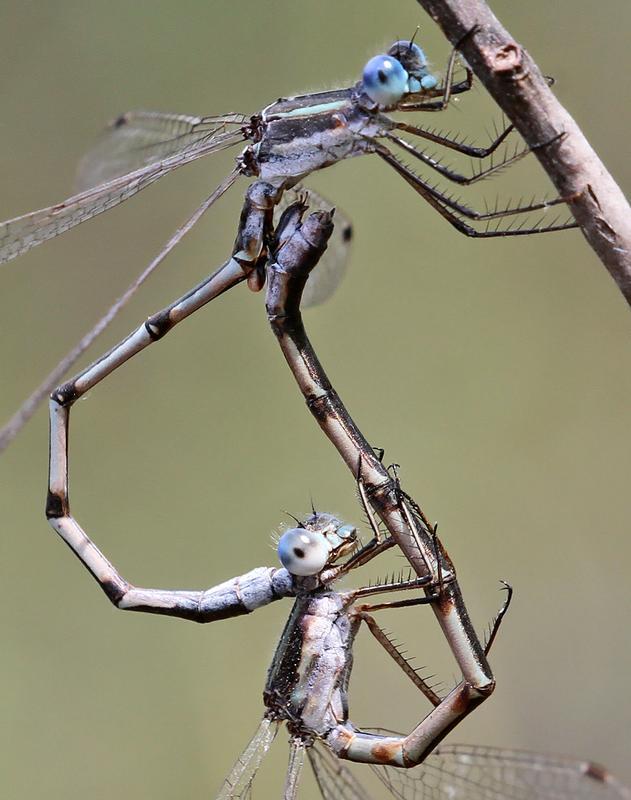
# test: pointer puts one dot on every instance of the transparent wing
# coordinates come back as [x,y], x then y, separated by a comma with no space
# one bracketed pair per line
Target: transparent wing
[297,749]
[462,772]
[9,431]
[138,138]
[327,276]
[334,778]
[22,233]
[238,784]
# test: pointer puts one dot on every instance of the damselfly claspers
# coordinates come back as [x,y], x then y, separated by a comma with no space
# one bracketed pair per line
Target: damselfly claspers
[289,139]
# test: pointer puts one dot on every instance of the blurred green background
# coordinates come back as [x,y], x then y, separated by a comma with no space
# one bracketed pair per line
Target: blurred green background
[497,373]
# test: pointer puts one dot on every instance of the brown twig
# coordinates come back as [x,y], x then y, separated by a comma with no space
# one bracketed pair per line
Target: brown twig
[519,88]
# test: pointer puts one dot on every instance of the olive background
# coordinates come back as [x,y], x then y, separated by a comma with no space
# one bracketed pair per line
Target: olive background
[495,372]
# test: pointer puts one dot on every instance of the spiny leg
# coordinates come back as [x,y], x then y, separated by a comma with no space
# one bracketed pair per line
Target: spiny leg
[410,750]
[468,180]
[414,513]
[495,625]
[393,651]
[453,144]
[452,175]
[449,208]
[394,584]
[445,205]
[362,613]
[406,751]
[430,193]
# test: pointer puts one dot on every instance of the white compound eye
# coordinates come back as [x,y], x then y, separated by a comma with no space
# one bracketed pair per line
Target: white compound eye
[303,552]
[384,80]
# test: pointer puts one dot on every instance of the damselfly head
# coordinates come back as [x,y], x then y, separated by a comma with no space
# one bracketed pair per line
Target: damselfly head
[318,544]
[414,62]
[402,70]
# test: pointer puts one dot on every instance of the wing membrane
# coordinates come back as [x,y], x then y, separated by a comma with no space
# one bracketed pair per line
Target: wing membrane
[238,784]
[22,233]
[138,138]
[328,275]
[334,778]
[462,772]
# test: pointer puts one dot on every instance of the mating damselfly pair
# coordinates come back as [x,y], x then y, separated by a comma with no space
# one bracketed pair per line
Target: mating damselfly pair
[258,207]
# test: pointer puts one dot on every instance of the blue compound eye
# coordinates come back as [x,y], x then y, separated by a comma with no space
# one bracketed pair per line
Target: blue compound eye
[303,552]
[384,80]
[414,62]
[418,52]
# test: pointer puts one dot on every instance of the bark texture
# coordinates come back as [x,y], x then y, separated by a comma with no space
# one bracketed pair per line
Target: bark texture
[522,92]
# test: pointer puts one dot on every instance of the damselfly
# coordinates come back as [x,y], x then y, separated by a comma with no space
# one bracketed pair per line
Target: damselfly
[288,140]
[308,680]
